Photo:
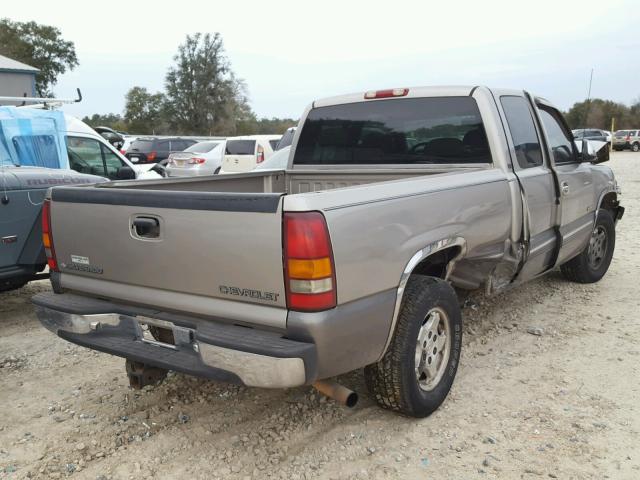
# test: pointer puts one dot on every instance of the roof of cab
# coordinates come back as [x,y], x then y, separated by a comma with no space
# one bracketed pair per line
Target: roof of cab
[434,91]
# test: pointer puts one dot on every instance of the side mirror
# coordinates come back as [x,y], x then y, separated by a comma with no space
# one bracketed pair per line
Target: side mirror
[593,151]
[126,173]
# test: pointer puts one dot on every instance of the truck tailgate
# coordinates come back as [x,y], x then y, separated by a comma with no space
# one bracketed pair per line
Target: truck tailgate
[216,252]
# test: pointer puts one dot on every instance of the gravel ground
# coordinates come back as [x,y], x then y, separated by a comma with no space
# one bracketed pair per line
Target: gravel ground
[562,404]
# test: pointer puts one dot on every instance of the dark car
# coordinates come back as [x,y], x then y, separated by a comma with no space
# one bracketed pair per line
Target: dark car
[590,134]
[154,150]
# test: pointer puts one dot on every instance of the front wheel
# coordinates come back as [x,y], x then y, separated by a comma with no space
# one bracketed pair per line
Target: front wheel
[593,262]
[635,147]
[417,371]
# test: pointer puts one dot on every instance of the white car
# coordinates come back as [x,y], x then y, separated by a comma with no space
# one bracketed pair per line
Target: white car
[278,161]
[203,158]
[244,154]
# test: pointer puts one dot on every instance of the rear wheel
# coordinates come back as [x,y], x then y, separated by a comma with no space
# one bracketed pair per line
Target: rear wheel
[593,262]
[417,371]
[11,284]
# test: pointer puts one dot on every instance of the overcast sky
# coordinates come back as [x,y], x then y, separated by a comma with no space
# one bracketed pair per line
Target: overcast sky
[291,52]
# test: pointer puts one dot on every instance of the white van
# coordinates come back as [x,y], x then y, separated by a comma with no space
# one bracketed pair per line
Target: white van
[243,154]
[90,153]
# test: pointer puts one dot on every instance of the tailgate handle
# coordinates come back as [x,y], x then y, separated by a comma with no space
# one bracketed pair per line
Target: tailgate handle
[146,227]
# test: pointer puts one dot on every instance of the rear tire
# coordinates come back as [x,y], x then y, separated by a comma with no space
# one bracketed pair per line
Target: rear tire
[593,262]
[417,371]
[8,285]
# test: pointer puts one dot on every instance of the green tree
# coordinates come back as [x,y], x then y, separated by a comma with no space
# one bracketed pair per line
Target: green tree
[203,96]
[597,113]
[144,111]
[40,46]
[111,120]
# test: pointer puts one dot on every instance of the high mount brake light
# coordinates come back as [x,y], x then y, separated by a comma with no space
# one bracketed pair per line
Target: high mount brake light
[392,92]
[308,262]
[47,239]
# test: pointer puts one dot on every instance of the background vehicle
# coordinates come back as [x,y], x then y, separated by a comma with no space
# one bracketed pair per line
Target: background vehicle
[155,150]
[626,139]
[128,139]
[278,161]
[202,158]
[590,134]
[110,135]
[243,154]
[33,157]
[345,260]
[287,138]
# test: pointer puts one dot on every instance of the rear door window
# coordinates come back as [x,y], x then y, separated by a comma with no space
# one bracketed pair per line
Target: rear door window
[241,147]
[560,142]
[523,131]
[410,131]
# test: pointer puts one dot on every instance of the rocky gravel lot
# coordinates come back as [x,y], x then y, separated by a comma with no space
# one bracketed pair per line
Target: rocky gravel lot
[548,387]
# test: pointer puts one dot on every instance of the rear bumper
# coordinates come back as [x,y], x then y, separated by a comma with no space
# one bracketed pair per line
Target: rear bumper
[188,172]
[218,351]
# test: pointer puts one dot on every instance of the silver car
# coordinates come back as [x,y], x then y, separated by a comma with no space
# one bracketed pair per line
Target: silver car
[202,158]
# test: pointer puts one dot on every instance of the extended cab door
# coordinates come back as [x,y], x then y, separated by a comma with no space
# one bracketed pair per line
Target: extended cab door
[577,200]
[536,182]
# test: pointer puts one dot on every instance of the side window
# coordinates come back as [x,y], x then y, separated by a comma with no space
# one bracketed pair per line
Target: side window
[112,163]
[560,140]
[85,155]
[164,146]
[523,131]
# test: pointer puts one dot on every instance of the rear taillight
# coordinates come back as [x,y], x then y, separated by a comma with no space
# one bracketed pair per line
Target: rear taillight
[628,138]
[392,92]
[260,155]
[197,161]
[47,239]
[151,156]
[308,262]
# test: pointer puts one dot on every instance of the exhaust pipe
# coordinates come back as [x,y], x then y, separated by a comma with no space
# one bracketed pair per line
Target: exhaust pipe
[339,393]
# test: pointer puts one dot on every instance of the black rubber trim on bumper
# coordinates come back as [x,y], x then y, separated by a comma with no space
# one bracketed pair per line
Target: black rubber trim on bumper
[181,200]
[212,332]
[119,341]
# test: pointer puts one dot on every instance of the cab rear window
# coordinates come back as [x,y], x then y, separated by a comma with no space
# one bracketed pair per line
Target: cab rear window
[413,131]
[241,147]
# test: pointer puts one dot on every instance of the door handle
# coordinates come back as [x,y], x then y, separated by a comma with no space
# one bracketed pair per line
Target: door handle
[146,227]
[564,187]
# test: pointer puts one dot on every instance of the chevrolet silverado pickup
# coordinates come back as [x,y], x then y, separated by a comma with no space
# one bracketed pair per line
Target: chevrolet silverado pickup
[346,259]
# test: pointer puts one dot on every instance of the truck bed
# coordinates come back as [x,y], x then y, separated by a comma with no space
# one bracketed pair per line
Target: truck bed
[281,181]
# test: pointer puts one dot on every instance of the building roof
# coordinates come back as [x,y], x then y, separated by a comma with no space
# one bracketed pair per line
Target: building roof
[9,65]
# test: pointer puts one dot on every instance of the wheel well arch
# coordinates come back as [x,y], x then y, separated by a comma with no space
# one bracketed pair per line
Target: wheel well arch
[436,264]
[609,202]
[437,257]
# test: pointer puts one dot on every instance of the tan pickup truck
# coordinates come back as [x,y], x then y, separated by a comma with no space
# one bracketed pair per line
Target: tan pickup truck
[346,259]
